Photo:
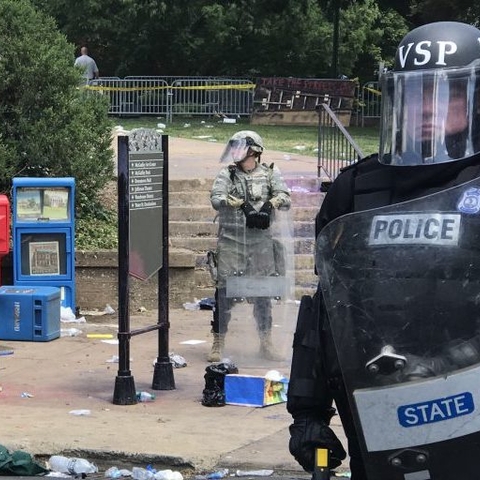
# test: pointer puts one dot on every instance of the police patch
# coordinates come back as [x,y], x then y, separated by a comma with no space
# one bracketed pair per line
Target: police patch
[415,229]
[470,201]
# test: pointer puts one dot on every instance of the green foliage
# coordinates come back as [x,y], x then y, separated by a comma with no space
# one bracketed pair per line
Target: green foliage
[96,234]
[49,126]
[232,38]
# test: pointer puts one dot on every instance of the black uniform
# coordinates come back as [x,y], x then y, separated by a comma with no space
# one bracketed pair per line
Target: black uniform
[315,378]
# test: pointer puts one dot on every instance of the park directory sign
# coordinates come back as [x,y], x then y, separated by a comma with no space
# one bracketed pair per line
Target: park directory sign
[146,170]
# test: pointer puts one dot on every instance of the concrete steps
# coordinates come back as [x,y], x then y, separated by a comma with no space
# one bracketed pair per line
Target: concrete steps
[193,231]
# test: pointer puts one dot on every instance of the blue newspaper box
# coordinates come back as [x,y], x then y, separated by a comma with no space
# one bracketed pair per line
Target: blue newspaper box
[43,232]
[29,313]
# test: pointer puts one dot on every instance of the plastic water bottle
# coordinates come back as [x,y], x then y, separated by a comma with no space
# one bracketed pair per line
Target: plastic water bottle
[218,474]
[73,466]
[145,397]
[139,473]
[113,472]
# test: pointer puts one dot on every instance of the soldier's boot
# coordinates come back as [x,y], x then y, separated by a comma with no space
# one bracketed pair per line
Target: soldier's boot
[218,345]
[267,350]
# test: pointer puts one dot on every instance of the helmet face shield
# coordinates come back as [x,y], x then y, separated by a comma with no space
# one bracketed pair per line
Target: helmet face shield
[429,116]
[235,151]
[241,145]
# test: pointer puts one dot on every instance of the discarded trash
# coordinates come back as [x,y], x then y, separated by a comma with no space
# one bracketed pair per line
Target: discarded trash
[253,473]
[168,475]
[207,303]
[26,395]
[109,310]
[214,391]
[99,335]
[161,125]
[142,309]
[80,413]
[139,473]
[193,342]
[110,341]
[218,474]
[67,316]
[113,359]
[299,147]
[177,361]
[113,472]
[145,397]
[229,120]
[287,157]
[70,332]
[73,466]
[3,353]
[191,306]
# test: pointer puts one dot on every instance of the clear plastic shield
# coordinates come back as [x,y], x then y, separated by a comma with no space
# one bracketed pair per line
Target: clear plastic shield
[402,290]
[256,281]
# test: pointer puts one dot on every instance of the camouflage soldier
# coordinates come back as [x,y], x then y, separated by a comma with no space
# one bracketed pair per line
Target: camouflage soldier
[246,194]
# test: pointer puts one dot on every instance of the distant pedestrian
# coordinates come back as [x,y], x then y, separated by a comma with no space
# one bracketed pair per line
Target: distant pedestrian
[87,65]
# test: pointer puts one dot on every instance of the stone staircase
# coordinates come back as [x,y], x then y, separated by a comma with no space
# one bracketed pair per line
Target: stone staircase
[192,232]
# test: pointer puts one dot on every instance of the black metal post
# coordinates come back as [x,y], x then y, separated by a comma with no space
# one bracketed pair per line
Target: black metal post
[163,370]
[124,393]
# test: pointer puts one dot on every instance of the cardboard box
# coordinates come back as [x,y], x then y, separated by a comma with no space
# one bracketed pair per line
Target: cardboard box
[254,391]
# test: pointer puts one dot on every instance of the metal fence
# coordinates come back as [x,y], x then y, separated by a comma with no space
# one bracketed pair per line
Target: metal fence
[371,102]
[336,148]
[169,96]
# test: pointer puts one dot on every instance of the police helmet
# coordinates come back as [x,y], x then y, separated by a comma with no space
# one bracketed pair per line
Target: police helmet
[239,145]
[430,100]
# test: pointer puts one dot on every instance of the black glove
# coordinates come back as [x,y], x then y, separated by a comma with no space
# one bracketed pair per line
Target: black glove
[263,220]
[251,215]
[307,434]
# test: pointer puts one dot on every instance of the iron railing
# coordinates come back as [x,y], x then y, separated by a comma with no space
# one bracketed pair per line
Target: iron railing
[336,148]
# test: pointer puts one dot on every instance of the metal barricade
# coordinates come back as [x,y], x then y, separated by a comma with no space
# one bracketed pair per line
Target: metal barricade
[371,102]
[168,96]
[212,96]
[336,148]
[134,96]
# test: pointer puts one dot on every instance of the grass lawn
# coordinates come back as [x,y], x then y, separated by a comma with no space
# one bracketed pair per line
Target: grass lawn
[284,138]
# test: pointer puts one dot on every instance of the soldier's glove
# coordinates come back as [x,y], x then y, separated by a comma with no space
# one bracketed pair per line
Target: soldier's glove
[234,202]
[263,220]
[251,215]
[308,434]
[276,202]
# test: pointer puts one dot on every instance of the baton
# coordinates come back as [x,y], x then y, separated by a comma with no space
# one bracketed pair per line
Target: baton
[321,472]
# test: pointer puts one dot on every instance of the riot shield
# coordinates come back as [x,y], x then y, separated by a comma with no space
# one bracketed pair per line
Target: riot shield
[255,296]
[402,290]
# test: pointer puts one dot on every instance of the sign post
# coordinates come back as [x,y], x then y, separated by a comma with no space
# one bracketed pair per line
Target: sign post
[142,249]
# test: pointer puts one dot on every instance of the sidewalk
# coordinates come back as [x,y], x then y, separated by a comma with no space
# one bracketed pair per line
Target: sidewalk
[42,383]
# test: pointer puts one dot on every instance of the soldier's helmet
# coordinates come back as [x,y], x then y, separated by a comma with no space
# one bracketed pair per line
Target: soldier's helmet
[239,145]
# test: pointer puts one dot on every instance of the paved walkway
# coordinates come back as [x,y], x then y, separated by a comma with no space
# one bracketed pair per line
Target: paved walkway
[45,385]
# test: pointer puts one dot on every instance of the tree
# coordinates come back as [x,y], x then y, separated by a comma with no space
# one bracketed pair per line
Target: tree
[49,126]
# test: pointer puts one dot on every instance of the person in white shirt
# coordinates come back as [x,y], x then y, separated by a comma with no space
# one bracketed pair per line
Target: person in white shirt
[87,65]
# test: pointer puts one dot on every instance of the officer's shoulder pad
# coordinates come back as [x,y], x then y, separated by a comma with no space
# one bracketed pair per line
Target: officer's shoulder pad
[368,159]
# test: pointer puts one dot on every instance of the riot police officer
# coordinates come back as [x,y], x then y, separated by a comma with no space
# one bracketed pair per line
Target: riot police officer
[429,144]
[246,194]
